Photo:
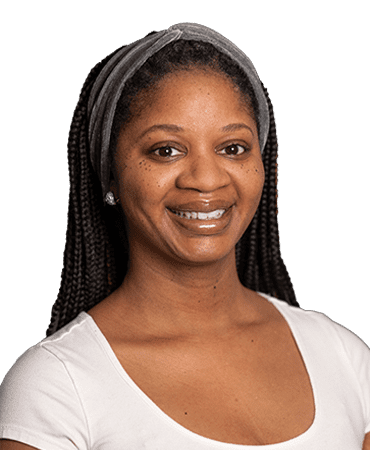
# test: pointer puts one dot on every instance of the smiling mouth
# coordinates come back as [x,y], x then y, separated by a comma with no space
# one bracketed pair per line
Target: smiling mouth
[194,215]
[202,220]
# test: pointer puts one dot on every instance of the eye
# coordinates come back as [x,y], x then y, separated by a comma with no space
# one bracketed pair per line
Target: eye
[234,150]
[166,152]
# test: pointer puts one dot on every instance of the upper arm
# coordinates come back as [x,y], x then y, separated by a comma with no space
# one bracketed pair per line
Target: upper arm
[6,444]
[366,444]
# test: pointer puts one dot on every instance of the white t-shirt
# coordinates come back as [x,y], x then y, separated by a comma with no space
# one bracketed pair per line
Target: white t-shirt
[70,392]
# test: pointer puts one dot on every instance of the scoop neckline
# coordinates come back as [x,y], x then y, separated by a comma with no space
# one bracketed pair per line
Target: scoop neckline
[283,309]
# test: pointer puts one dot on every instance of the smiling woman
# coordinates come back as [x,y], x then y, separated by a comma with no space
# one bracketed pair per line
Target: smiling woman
[176,324]
[258,269]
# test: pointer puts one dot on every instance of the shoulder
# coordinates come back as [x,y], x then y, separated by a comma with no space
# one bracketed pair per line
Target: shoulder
[53,359]
[51,354]
[332,343]
[319,331]
[40,382]
[313,320]
[32,368]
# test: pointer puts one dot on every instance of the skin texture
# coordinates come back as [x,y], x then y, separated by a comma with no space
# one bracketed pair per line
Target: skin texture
[366,444]
[5,444]
[182,309]
[187,264]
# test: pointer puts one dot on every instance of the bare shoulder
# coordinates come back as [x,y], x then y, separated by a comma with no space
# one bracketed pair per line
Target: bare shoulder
[6,444]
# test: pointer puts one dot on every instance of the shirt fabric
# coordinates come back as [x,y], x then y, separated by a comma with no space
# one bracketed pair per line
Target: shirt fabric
[70,392]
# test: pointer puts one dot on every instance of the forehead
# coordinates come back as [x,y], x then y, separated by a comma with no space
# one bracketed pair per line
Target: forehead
[191,92]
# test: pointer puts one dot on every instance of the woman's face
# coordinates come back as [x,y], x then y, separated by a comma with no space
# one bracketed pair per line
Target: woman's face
[188,168]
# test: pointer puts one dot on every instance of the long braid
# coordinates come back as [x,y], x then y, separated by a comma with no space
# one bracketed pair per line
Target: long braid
[88,257]
[268,205]
[283,287]
[262,268]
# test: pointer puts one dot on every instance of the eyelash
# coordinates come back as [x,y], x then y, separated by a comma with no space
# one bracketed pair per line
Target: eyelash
[223,151]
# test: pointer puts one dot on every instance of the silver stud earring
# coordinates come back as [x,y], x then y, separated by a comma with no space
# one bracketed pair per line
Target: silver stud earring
[109,198]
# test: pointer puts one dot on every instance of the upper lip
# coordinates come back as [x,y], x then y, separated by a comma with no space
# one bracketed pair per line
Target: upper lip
[201,206]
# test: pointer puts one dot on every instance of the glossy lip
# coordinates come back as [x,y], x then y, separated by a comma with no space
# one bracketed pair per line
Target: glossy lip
[199,226]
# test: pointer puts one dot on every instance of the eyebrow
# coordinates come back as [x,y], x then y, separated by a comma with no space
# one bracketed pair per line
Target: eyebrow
[236,126]
[164,127]
[176,129]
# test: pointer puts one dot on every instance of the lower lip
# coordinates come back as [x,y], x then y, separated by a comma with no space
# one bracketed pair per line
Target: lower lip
[203,227]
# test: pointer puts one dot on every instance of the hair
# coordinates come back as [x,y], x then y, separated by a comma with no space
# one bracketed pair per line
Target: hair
[96,251]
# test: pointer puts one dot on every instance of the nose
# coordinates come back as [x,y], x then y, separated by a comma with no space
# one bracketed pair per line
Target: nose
[204,171]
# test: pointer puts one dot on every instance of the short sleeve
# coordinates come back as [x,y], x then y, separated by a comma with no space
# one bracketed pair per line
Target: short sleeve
[39,404]
[359,355]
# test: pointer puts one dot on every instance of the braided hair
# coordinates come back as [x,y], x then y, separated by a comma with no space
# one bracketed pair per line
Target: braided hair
[96,251]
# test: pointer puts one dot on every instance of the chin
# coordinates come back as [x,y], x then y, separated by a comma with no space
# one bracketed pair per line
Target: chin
[204,252]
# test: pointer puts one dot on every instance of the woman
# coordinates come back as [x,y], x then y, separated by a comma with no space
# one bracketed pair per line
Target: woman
[167,332]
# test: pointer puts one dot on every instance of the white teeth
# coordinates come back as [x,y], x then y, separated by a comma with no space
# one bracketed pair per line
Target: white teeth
[200,215]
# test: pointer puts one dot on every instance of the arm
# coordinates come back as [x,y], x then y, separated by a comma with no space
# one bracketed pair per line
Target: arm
[365,446]
[5,444]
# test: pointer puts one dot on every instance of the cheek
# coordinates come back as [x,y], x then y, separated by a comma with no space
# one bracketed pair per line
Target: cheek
[142,186]
[252,178]
[251,182]
[259,173]
[134,185]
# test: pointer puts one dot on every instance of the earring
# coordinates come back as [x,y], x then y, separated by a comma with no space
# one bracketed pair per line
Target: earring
[109,198]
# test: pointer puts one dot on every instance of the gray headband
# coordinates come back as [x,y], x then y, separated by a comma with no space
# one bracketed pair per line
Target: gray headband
[109,85]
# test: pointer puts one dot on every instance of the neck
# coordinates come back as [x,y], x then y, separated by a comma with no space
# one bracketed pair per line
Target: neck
[170,297]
